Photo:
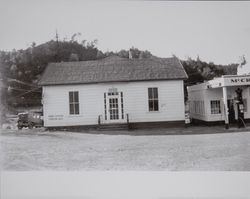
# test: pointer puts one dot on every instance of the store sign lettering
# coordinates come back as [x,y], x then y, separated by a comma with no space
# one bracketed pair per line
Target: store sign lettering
[55,117]
[240,80]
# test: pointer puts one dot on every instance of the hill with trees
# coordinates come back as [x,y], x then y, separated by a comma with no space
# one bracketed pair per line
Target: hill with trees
[199,71]
[21,69]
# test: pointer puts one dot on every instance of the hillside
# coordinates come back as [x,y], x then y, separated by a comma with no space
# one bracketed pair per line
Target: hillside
[21,69]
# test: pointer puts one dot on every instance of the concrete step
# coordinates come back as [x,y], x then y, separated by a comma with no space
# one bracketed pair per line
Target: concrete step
[118,126]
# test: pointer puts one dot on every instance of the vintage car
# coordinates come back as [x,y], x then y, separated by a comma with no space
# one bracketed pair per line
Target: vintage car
[30,119]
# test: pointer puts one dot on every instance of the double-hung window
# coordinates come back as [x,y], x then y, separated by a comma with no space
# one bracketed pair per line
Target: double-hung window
[153,102]
[74,103]
[215,107]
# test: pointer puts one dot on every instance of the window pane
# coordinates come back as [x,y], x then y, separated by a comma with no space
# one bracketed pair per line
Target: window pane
[212,107]
[151,105]
[70,97]
[71,109]
[156,108]
[150,93]
[76,97]
[110,103]
[76,108]
[155,93]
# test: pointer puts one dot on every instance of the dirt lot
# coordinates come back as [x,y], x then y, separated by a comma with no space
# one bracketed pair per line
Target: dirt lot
[38,149]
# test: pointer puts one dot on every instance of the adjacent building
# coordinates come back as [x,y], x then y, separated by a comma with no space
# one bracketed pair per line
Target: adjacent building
[114,90]
[226,99]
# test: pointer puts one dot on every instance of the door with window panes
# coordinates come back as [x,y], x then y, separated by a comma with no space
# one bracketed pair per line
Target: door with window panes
[114,107]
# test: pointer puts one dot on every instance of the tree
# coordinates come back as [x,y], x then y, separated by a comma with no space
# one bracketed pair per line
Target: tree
[27,65]
[199,71]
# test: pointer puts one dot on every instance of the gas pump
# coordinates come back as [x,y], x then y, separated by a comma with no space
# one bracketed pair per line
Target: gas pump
[240,108]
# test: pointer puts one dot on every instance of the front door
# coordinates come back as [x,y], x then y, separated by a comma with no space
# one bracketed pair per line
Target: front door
[114,107]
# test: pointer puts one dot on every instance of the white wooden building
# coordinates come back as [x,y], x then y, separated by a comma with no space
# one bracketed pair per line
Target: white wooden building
[114,90]
[217,99]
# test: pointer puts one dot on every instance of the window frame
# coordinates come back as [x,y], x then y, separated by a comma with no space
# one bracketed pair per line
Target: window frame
[215,107]
[153,99]
[105,107]
[74,103]
[122,105]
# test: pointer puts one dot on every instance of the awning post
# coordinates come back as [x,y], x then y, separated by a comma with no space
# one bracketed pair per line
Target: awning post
[224,89]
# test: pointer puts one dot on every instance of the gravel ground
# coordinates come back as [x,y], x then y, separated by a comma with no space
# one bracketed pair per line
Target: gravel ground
[38,149]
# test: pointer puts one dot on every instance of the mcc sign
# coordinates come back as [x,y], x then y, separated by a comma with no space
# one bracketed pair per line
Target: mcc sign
[236,81]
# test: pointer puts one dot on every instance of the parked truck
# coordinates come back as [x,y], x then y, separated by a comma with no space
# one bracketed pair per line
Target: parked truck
[30,119]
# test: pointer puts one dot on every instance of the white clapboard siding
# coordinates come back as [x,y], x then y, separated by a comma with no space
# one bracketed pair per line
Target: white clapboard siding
[91,97]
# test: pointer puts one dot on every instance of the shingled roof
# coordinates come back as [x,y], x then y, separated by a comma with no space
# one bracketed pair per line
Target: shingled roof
[113,69]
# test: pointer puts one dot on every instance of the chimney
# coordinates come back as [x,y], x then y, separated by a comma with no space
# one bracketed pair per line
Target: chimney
[130,55]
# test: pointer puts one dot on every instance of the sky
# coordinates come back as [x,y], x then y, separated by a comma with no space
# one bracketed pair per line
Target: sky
[214,31]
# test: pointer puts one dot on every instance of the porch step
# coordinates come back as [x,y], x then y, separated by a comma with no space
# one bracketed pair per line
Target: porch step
[107,127]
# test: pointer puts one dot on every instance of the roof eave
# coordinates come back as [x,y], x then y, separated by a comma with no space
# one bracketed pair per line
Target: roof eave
[102,82]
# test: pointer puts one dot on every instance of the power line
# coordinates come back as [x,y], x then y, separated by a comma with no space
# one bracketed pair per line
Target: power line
[18,89]
[21,82]
[33,90]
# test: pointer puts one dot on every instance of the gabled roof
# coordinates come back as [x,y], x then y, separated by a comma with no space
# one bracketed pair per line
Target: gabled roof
[113,69]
